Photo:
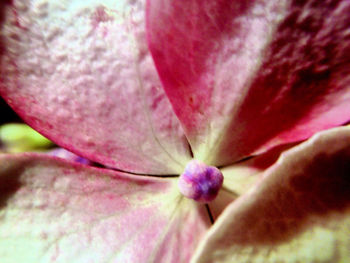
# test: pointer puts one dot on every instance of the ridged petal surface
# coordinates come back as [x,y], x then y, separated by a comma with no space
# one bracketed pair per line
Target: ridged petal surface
[80,73]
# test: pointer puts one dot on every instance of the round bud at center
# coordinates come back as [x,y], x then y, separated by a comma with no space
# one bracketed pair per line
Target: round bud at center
[200,182]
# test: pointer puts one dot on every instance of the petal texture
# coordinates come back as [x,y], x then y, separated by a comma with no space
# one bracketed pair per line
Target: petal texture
[245,76]
[56,211]
[80,73]
[239,178]
[298,212]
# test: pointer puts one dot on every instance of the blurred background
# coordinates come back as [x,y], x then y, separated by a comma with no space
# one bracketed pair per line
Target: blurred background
[16,136]
[7,114]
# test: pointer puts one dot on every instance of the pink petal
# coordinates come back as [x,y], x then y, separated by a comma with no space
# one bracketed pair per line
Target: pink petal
[299,211]
[244,76]
[239,178]
[56,211]
[80,73]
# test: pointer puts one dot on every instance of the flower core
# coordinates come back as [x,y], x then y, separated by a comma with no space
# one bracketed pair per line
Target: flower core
[200,182]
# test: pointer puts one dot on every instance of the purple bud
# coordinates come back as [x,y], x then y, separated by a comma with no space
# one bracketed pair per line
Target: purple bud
[200,181]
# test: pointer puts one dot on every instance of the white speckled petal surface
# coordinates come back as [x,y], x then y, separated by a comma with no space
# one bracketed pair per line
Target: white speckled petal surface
[298,212]
[80,73]
[55,211]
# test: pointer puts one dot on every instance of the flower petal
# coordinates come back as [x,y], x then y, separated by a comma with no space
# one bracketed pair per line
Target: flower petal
[299,211]
[245,76]
[55,211]
[241,177]
[80,73]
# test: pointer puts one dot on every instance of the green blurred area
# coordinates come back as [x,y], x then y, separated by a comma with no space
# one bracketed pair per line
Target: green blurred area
[15,136]
[19,137]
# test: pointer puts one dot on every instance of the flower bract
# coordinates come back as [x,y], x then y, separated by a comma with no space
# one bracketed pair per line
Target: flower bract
[255,91]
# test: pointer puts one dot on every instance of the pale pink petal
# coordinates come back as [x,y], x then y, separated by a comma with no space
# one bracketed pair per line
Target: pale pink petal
[80,73]
[298,212]
[239,178]
[55,211]
[244,76]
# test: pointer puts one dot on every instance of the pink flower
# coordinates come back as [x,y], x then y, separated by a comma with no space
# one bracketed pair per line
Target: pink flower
[238,85]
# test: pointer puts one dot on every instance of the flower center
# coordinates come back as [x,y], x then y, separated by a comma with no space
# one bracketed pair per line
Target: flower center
[200,182]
